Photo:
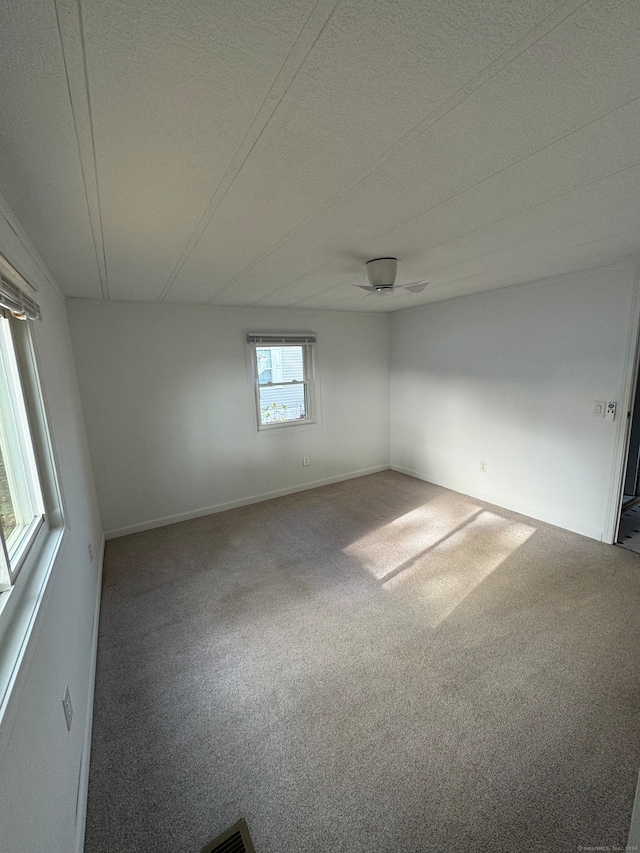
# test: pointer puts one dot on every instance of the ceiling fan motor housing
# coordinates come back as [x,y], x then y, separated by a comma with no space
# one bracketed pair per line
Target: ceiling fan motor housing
[381,272]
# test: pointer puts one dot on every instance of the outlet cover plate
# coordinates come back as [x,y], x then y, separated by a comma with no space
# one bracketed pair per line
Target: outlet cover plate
[68,708]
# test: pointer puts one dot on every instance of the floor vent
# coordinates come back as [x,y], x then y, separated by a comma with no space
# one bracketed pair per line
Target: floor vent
[234,840]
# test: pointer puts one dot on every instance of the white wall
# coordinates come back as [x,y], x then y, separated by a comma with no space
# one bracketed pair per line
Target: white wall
[170,413]
[39,760]
[510,377]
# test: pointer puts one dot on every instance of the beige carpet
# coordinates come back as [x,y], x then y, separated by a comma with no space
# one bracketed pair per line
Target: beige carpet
[376,666]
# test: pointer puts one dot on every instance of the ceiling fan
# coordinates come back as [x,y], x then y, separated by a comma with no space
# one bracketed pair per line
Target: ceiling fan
[381,273]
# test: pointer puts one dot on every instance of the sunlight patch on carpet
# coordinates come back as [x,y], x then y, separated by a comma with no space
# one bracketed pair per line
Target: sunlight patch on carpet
[390,546]
[437,581]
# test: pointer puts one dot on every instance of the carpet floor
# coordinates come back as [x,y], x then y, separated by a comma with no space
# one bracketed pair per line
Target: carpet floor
[375,666]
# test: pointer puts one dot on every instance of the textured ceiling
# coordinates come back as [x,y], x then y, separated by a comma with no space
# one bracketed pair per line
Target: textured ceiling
[258,153]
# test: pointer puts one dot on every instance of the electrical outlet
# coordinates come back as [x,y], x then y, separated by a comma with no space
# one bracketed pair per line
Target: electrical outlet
[483,467]
[90,552]
[68,709]
[305,460]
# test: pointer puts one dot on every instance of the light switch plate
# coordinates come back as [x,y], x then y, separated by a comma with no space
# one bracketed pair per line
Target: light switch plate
[598,408]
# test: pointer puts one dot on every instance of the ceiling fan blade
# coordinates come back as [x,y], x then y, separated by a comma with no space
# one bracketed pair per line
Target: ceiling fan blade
[416,287]
[377,291]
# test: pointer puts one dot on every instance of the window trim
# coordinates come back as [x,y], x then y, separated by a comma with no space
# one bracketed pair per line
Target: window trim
[306,341]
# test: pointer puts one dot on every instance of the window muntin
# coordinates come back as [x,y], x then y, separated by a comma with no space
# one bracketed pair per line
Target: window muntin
[21,502]
[283,382]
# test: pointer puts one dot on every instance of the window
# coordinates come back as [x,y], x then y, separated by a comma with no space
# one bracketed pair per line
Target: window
[26,482]
[283,373]
[31,524]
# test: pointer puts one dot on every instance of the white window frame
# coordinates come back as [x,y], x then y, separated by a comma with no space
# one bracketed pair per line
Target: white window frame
[307,342]
[28,571]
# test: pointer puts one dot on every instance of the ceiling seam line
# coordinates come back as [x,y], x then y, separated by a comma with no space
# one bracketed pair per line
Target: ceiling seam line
[437,115]
[85,69]
[212,207]
[468,189]
[79,147]
[191,306]
[494,222]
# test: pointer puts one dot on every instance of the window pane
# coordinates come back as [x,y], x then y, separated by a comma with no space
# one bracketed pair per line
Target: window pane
[280,364]
[281,403]
[20,495]
[7,513]
[292,364]
[265,364]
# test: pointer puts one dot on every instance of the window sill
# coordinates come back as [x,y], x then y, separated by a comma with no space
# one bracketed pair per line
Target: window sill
[279,429]
[298,422]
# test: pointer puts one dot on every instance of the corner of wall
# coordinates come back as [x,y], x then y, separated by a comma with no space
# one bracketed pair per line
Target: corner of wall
[85,761]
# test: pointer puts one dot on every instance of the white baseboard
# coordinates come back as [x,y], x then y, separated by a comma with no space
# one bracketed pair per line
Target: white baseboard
[83,781]
[252,499]
[634,832]
[515,506]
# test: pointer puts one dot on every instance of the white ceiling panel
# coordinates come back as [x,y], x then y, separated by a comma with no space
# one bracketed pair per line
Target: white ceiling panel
[257,153]
[40,168]
[576,161]
[619,224]
[378,69]
[468,146]
[611,199]
[574,218]
[174,88]
[606,252]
